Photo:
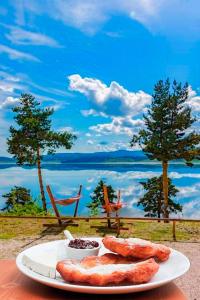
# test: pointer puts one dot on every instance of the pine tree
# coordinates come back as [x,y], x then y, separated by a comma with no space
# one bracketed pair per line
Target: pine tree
[33,136]
[152,201]
[98,197]
[167,134]
[17,195]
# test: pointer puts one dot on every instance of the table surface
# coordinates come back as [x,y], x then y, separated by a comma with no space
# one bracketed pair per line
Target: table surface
[16,286]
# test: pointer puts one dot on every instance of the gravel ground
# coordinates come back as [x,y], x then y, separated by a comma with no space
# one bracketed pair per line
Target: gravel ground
[189,283]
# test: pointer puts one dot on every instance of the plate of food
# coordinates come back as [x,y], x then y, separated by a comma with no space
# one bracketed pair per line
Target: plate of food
[102,266]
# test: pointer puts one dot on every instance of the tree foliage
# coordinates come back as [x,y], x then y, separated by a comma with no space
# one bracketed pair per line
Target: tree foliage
[152,201]
[98,197]
[34,132]
[167,134]
[17,195]
[34,135]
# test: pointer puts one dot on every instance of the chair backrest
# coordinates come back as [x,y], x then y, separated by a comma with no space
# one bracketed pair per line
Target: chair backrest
[79,195]
[80,190]
[53,201]
[106,199]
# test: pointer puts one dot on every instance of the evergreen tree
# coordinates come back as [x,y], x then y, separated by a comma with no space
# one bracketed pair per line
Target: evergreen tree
[167,134]
[98,197]
[17,195]
[152,201]
[33,136]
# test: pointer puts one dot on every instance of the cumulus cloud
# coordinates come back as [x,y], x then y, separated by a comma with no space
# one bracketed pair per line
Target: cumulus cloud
[193,100]
[114,100]
[20,36]
[9,102]
[119,126]
[17,55]
[118,103]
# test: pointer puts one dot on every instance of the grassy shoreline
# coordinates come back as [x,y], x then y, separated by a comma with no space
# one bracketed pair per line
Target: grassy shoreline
[23,228]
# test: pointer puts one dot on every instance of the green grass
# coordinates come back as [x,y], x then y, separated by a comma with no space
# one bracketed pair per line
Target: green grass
[151,230]
[6,236]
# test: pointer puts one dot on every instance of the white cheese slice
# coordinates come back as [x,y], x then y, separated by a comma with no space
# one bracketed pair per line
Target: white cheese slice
[41,262]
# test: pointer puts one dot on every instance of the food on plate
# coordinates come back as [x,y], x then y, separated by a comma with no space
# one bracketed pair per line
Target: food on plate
[136,248]
[83,244]
[43,263]
[100,274]
[106,259]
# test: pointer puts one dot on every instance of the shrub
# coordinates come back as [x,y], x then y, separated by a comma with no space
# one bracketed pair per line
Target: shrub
[20,203]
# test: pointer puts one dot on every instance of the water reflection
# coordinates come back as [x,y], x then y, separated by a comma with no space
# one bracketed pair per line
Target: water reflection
[65,180]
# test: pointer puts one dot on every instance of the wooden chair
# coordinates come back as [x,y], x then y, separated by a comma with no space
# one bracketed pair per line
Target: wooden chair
[111,207]
[64,202]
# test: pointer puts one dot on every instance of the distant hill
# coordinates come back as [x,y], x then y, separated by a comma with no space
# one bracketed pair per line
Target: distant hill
[96,157]
[4,159]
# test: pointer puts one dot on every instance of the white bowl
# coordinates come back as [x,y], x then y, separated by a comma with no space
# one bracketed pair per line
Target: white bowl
[74,253]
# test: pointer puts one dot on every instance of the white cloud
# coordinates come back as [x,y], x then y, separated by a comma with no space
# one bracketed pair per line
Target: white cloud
[193,100]
[169,18]
[90,142]
[68,129]
[113,100]
[189,191]
[88,134]
[9,77]
[192,209]
[111,146]
[9,102]
[119,126]
[20,36]
[6,87]
[88,16]
[17,55]
[92,112]
[12,85]
[119,104]
[57,106]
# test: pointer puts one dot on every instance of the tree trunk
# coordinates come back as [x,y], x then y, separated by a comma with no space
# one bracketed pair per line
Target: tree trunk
[159,208]
[40,180]
[165,187]
[159,205]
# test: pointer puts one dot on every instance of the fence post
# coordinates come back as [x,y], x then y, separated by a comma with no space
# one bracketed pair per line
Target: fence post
[118,226]
[174,230]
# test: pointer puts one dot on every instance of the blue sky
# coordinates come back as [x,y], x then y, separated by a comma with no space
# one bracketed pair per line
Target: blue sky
[96,62]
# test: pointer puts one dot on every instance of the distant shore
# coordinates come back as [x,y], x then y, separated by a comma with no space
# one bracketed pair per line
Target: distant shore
[104,163]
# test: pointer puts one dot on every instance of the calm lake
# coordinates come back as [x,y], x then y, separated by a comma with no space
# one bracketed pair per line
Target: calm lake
[65,180]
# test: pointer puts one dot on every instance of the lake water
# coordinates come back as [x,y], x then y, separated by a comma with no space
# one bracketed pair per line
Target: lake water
[65,180]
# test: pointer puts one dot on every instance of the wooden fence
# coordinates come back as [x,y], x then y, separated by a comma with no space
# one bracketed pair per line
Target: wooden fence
[117,219]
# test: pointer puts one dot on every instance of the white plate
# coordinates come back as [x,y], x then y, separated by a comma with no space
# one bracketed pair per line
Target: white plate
[173,268]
